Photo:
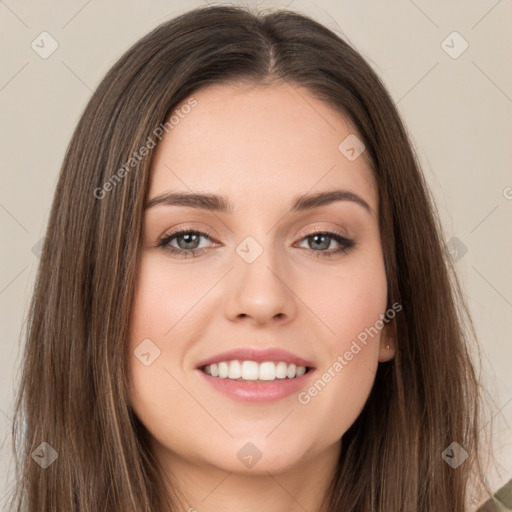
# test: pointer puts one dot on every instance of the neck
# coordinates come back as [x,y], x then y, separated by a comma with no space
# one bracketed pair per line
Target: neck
[210,487]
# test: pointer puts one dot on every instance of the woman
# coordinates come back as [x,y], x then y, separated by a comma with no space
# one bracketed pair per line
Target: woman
[243,300]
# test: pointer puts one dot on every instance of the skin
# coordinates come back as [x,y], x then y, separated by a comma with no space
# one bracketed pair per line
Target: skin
[260,147]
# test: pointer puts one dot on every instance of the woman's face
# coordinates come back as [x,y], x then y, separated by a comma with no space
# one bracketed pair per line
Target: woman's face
[259,279]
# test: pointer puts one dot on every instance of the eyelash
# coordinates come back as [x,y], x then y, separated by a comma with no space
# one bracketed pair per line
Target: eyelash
[346,244]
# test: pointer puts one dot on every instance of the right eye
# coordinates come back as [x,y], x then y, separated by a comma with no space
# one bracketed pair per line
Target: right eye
[186,249]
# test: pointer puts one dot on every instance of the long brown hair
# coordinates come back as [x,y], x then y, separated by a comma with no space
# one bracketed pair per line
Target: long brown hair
[73,391]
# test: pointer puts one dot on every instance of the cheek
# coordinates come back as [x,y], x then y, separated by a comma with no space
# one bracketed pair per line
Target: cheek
[156,391]
[155,313]
[361,303]
[350,301]
[163,298]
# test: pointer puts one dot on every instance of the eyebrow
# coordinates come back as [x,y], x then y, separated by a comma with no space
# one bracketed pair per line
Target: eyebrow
[216,203]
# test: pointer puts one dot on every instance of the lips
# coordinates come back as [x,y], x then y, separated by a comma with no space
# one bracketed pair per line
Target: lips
[260,356]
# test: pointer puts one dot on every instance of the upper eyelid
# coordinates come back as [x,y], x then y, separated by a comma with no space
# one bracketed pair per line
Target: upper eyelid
[180,231]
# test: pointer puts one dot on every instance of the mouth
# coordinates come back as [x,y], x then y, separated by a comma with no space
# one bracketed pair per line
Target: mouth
[256,382]
[255,375]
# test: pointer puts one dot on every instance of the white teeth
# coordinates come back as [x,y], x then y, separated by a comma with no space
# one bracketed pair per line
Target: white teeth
[281,370]
[251,370]
[267,371]
[223,370]
[301,370]
[235,370]
[291,370]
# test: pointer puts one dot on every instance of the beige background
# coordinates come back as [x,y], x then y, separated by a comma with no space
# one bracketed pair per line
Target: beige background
[458,111]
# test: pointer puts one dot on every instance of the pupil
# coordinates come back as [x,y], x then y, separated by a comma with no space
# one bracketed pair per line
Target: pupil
[189,239]
[325,244]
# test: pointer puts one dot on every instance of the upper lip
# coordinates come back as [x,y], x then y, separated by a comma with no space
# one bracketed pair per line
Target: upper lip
[258,355]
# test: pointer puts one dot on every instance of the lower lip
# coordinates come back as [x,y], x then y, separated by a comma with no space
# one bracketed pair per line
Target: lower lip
[258,391]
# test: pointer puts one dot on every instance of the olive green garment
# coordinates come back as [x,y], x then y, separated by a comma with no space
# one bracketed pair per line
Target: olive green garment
[500,502]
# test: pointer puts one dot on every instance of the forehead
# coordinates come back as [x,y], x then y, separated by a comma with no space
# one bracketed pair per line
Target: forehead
[260,145]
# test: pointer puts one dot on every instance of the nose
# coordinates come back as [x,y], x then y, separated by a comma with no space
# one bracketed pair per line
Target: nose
[260,291]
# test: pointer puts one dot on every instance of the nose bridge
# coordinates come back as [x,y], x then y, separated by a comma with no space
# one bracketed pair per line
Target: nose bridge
[259,281]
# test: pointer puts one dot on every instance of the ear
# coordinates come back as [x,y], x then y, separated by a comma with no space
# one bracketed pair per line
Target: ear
[387,339]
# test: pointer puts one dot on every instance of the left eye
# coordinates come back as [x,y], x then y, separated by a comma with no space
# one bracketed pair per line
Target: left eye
[321,240]
[188,242]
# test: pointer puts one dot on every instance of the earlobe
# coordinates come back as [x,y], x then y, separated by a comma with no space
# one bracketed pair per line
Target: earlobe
[387,344]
